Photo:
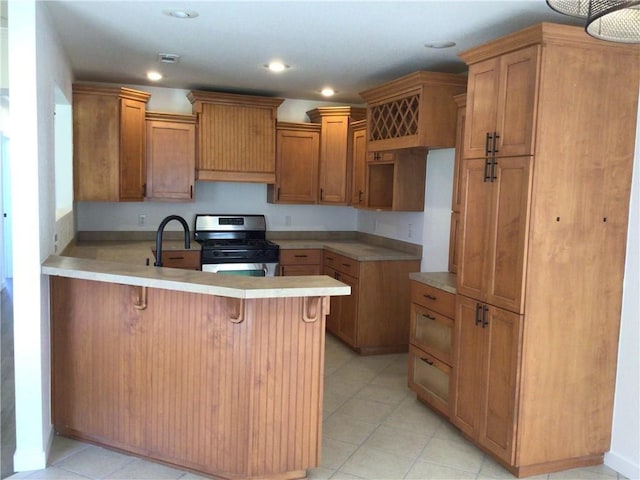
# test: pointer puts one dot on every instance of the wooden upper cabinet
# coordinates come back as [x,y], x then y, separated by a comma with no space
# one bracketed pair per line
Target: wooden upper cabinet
[236,136]
[396,180]
[297,156]
[416,110]
[171,156]
[108,143]
[494,223]
[456,195]
[359,163]
[501,102]
[335,151]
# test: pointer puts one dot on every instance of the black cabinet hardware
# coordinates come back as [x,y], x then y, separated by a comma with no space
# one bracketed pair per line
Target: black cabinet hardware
[427,361]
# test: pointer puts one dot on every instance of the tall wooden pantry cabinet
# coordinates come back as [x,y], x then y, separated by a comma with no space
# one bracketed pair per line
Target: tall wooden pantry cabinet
[547,159]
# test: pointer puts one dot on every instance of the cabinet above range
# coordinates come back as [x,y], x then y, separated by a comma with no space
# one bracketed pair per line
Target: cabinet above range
[236,139]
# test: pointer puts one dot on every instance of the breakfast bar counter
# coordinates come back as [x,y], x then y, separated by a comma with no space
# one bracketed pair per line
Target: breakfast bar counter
[218,374]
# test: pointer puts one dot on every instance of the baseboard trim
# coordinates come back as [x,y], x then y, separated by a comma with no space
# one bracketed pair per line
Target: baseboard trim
[622,465]
[25,460]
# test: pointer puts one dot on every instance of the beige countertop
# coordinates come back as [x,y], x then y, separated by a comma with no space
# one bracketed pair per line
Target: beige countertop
[360,251]
[134,251]
[443,280]
[193,281]
[138,251]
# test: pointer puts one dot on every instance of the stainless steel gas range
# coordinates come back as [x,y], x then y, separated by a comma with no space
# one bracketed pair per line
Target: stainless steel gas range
[236,244]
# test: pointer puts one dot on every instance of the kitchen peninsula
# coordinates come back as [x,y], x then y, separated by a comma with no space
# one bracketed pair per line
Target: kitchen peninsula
[218,374]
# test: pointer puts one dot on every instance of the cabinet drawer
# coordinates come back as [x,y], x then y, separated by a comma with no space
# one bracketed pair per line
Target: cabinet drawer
[187,259]
[431,332]
[307,256]
[342,264]
[297,270]
[430,379]
[433,298]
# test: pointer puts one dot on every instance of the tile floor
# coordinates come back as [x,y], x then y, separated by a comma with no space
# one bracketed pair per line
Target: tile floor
[374,428]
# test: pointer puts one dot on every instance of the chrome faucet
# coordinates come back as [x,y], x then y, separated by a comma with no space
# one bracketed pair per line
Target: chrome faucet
[160,231]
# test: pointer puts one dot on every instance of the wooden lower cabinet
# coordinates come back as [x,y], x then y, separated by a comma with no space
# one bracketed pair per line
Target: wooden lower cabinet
[304,261]
[187,259]
[430,379]
[374,318]
[225,386]
[431,345]
[485,384]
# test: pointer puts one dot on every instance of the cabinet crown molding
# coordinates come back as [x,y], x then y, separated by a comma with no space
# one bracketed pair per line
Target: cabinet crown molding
[197,97]
[413,81]
[543,33]
[121,92]
[301,126]
[170,117]
[357,113]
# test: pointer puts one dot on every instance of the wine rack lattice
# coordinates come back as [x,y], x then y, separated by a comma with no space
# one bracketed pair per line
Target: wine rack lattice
[395,119]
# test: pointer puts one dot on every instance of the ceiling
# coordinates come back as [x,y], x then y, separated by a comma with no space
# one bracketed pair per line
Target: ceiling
[348,45]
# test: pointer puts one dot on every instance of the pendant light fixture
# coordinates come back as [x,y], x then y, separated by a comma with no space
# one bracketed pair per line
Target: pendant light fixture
[611,20]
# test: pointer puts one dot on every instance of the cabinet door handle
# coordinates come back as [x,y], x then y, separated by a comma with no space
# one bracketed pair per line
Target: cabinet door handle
[487,148]
[336,276]
[278,194]
[430,317]
[359,195]
[427,361]
[430,297]
[485,322]
[191,191]
[493,170]
[321,193]
[494,148]
[144,189]
[487,166]
[479,310]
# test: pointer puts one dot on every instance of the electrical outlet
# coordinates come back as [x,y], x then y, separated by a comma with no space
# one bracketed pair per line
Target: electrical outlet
[287,220]
[142,220]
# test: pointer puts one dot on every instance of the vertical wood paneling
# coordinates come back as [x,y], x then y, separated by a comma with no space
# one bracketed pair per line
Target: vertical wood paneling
[237,138]
[181,383]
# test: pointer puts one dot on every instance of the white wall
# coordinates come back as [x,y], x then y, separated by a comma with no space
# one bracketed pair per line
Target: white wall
[210,197]
[36,65]
[624,456]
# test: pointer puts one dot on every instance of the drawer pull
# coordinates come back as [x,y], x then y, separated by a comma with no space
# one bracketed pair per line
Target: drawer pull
[301,256]
[427,361]
[176,258]
[430,317]
[348,265]
[431,297]
[330,258]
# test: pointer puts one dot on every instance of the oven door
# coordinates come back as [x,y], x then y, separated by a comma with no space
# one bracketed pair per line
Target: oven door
[246,269]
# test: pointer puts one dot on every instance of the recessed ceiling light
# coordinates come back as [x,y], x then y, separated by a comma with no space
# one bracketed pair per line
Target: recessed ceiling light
[176,13]
[154,76]
[328,92]
[277,67]
[445,44]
